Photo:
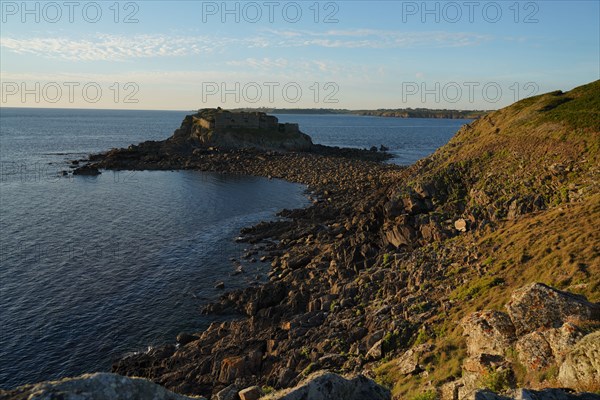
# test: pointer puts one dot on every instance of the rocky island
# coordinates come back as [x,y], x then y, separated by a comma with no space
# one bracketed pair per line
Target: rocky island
[472,274]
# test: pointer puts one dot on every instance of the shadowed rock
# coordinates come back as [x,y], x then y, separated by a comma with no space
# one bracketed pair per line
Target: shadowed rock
[100,386]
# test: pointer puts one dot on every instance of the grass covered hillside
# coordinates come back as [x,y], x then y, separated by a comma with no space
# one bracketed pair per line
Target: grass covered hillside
[514,198]
[539,152]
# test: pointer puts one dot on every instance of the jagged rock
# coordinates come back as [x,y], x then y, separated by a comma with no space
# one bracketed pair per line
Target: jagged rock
[329,386]
[408,363]
[487,395]
[87,170]
[581,368]
[552,394]
[528,394]
[400,235]
[251,393]
[99,386]
[539,306]
[376,351]
[490,332]
[562,340]
[535,351]
[482,363]
[185,338]
[231,368]
[229,393]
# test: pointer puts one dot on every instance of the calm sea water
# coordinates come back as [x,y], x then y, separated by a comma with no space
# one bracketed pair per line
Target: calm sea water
[408,139]
[95,267]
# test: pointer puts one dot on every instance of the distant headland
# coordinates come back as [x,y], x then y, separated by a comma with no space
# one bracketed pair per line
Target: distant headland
[381,112]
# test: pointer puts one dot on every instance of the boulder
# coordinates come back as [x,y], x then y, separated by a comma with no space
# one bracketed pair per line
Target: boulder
[408,363]
[528,394]
[460,225]
[329,386]
[99,386]
[581,367]
[87,170]
[539,306]
[490,332]
[232,368]
[534,351]
[184,338]
[229,393]
[251,393]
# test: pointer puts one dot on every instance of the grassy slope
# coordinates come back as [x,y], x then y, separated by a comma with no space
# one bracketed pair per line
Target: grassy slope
[512,154]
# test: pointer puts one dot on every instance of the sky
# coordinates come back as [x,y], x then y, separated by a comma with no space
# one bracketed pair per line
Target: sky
[186,55]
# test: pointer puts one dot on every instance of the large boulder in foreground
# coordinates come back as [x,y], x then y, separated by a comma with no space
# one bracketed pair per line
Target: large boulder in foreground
[538,306]
[330,386]
[528,394]
[99,386]
[581,368]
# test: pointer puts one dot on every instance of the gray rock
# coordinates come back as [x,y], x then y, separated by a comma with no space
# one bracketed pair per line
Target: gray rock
[552,394]
[535,351]
[581,368]
[490,332]
[99,386]
[408,363]
[229,393]
[539,306]
[329,386]
[528,394]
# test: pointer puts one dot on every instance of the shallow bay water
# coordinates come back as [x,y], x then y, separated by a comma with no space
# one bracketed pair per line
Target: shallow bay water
[95,267]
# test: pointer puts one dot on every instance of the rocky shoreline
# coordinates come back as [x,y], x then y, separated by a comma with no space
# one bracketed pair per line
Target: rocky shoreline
[400,274]
[346,186]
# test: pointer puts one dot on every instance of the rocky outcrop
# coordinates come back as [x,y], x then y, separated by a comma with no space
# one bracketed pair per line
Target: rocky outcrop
[488,332]
[235,130]
[528,394]
[581,367]
[330,386]
[538,306]
[99,386]
[541,326]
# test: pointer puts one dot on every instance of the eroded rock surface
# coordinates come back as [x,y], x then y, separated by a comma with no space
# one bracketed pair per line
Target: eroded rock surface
[99,386]
[330,386]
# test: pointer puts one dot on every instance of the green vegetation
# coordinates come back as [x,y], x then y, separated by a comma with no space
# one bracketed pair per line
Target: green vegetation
[497,381]
[428,395]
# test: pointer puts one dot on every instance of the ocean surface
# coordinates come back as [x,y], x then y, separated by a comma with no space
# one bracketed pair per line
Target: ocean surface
[92,268]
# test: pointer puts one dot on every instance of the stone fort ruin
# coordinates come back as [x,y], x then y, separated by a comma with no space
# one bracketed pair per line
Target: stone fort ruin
[222,120]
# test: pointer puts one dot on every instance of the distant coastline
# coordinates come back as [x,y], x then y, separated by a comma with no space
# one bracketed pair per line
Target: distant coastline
[390,113]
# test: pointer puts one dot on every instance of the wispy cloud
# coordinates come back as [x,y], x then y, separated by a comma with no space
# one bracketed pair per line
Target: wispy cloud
[378,39]
[121,48]
[109,47]
[263,63]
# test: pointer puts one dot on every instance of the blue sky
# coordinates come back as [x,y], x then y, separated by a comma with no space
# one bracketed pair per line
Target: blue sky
[345,54]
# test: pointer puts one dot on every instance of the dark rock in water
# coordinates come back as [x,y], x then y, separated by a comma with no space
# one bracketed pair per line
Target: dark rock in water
[373,148]
[383,148]
[86,170]
[185,338]
[220,285]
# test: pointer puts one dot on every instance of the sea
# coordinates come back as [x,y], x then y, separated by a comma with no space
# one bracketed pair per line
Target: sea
[94,268]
